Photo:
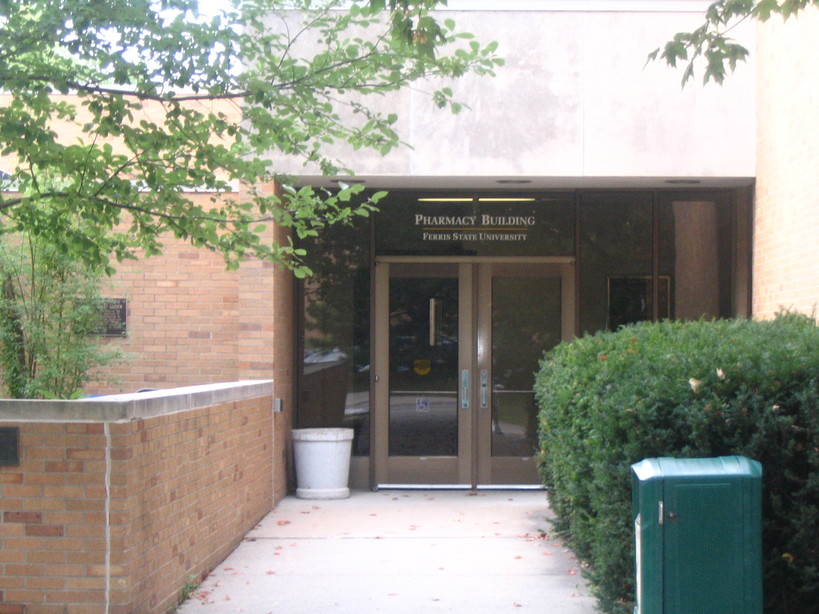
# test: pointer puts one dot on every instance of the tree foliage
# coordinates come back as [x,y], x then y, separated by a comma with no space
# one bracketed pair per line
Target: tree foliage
[167,99]
[712,43]
[49,308]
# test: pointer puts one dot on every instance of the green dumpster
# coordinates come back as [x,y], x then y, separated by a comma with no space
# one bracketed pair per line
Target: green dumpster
[698,535]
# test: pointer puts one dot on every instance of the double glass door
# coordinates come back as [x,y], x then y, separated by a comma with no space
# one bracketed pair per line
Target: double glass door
[457,347]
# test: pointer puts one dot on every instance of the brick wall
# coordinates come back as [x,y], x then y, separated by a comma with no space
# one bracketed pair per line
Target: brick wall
[283,374]
[190,322]
[183,320]
[786,232]
[118,502]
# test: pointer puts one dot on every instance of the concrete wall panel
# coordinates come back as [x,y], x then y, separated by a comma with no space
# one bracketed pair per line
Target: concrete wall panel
[574,100]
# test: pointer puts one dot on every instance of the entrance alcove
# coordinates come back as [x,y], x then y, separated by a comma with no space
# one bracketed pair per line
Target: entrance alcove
[432,314]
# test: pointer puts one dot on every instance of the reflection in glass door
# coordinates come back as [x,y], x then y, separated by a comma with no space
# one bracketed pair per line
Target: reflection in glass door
[422,340]
[456,349]
[519,318]
[423,409]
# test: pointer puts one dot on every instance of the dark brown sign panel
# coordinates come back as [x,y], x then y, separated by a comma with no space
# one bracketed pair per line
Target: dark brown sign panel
[9,446]
[407,225]
[113,317]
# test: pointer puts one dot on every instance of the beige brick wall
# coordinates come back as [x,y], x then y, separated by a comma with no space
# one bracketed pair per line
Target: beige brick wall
[183,320]
[192,322]
[786,232]
[126,512]
[53,513]
[284,358]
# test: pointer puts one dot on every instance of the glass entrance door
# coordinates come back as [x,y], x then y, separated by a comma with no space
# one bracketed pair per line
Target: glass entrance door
[520,316]
[457,346]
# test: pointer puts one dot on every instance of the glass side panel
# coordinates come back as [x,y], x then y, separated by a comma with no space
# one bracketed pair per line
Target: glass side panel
[695,251]
[525,323]
[616,258]
[423,366]
[334,375]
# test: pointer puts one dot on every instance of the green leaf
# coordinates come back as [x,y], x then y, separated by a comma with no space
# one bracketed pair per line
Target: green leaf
[711,40]
[129,62]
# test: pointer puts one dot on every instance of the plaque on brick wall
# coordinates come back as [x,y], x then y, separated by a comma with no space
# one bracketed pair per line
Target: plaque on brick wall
[9,446]
[113,317]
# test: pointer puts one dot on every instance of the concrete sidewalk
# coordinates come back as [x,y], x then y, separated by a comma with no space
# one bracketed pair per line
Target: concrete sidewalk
[400,552]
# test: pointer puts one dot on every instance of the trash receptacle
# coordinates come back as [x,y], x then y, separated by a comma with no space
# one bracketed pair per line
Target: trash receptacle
[698,535]
[322,459]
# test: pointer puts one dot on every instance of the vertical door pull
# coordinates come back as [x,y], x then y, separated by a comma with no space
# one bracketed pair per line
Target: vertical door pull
[436,319]
[465,389]
[484,388]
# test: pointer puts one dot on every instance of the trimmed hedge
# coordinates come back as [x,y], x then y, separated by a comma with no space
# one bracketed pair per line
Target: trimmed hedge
[685,389]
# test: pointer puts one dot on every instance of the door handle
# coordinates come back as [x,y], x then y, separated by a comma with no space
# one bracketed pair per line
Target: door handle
[484,388]
[464,389]
[436,316]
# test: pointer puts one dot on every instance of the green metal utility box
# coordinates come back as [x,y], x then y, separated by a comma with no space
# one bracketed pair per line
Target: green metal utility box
[698,535]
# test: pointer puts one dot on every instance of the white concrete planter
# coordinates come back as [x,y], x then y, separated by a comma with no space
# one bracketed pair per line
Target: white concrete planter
[322,462]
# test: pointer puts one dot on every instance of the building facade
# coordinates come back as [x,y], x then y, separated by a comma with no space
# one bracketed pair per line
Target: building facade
[582,190]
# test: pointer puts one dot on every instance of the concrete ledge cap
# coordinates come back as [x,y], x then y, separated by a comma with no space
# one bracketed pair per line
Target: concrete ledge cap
[132,406]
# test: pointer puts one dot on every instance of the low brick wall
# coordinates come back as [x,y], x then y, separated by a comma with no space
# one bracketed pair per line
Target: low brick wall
[118,502]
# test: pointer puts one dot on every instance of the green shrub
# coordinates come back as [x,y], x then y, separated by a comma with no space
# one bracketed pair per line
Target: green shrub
[695,389]
[49,308]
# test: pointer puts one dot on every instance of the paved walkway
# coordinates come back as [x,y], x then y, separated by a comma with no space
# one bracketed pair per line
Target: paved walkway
[399,552]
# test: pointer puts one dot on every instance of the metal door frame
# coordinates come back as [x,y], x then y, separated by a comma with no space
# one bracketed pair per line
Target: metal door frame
[468,468]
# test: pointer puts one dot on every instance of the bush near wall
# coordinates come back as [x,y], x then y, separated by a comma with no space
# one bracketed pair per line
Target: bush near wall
[695,389]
